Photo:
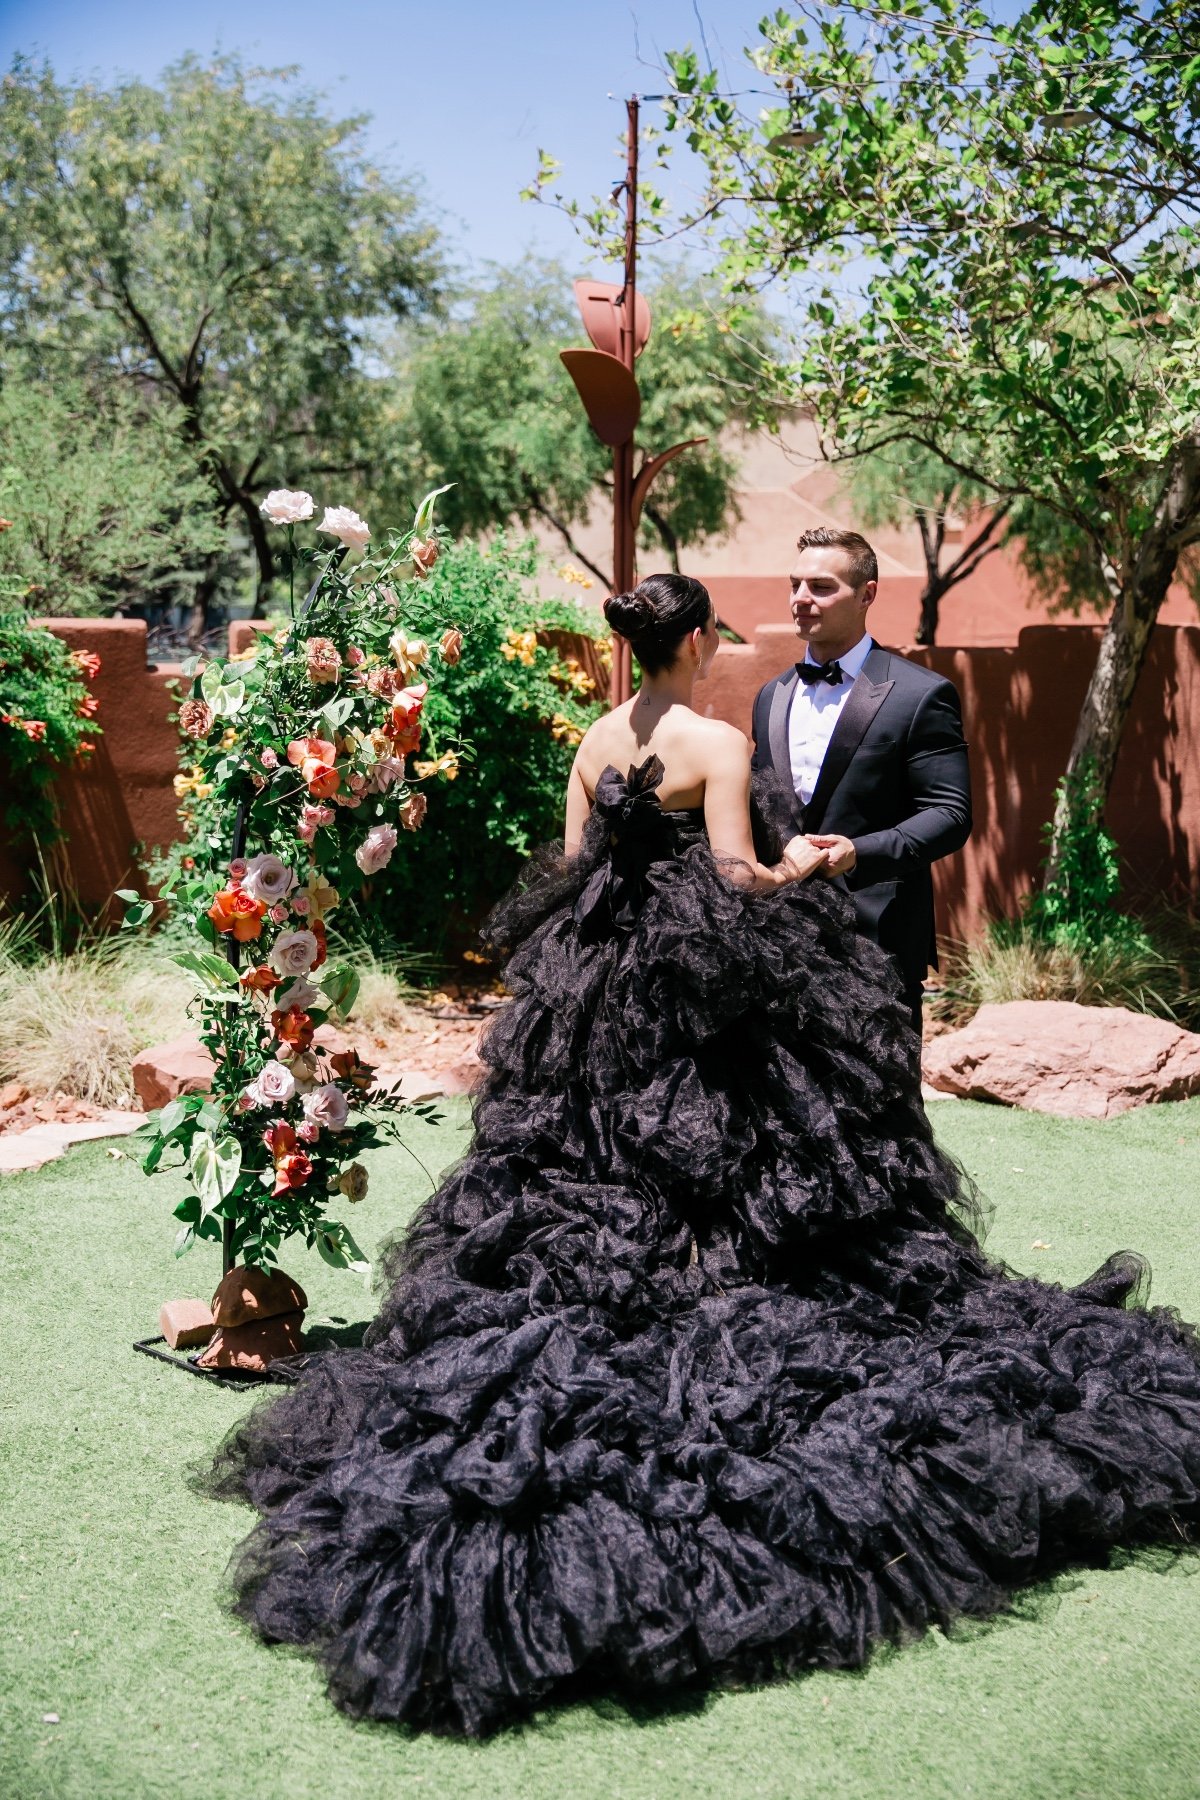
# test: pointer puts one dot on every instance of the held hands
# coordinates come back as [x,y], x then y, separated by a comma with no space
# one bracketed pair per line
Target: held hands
[841,855]
[801,858]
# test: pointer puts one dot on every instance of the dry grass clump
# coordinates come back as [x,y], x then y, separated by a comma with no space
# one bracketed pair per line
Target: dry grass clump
[72,1023]
[1149,974]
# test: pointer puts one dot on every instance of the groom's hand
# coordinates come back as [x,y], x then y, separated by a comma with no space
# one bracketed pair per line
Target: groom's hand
[841,856]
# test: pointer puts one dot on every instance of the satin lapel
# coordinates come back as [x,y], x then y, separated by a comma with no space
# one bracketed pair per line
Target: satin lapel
[777,724]
[866,697]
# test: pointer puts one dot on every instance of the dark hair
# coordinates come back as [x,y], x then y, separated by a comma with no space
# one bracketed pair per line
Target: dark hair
[864,565]
[658,615]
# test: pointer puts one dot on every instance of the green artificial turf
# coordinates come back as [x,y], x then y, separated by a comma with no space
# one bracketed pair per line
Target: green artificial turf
[109,1614]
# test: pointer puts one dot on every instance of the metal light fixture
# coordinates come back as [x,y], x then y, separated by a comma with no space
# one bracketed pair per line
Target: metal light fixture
[1069,119]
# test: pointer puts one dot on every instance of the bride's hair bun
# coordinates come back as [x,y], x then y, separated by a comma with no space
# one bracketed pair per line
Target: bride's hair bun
[630,614]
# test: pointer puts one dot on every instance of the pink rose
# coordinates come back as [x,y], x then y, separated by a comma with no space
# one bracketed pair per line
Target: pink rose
[287,506]
[273,1086]
[269,759]
[375,851]
[309,1132]
[322,660]
[268,878]
[344,523]
[311,817]
[237,868]
[294,953]
[299,993]
[355,657]
[300,903]
[278,914]
[386,771]
[326,1107]
[384,683]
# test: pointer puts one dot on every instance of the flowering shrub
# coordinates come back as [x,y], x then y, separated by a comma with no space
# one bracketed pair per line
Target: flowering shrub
[507,707]
[47,719]
[306,743]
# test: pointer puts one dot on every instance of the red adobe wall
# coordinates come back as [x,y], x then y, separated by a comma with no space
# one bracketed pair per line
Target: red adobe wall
[122,795]
[1019,706]
[1019,711]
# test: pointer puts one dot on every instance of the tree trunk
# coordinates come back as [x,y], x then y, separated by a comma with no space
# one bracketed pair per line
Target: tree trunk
[205,589]
[1126,639]
[931,600]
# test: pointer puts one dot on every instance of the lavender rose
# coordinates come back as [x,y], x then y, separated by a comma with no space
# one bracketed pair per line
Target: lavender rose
[272,1086]
[375,851]
[268,879]
[327,1106]
[295,953]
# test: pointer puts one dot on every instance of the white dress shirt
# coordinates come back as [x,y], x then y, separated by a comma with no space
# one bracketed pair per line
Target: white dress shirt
[815,710]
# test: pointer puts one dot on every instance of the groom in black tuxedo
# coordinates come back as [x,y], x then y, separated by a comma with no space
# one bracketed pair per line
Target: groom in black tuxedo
[872,747]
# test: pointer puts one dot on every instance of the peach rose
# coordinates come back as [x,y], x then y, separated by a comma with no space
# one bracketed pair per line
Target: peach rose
[343,522]
[302,750]
[404,727]
[424,553]
[322,660]
[450,646]
[412,813]
[233,911]
[260,980]
[196,718]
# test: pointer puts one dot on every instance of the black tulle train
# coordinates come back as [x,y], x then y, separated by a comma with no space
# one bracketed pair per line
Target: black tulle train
[693,1367]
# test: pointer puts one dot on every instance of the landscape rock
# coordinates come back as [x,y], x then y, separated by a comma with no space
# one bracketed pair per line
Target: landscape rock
[251,1295]
[1053,1056]
[164,1071]
[255,1346]
[186,1323]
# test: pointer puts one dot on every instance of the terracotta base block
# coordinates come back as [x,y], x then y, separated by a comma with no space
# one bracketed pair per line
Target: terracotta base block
[250,1295]
[186,1323]
[254,1347]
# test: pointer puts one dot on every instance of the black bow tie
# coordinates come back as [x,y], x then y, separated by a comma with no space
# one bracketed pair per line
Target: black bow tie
[811,673]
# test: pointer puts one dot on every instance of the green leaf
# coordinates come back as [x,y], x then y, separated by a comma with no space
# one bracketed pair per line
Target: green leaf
[214,1165]
[129,895]
[424,515]
[337,712]
[184,1239]
[340,984]
[171,1116]
[336,1247]
[212,971]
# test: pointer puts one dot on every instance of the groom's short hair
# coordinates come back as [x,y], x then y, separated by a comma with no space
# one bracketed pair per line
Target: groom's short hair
[864,564]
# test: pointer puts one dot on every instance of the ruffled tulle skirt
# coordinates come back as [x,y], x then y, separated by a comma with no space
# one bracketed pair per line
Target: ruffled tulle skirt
[693,1367]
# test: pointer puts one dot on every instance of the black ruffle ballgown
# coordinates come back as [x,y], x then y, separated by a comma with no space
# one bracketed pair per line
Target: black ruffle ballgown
[692,1368]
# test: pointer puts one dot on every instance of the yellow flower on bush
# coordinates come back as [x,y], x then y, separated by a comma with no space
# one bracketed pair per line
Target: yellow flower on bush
[229,738]
[520,646]
[192,783]
[410,653]
[574,676]
[575,577]
[446,765]
[566,730]
[322,896]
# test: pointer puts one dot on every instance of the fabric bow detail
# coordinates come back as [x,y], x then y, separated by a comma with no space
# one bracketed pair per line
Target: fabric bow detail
[613,894]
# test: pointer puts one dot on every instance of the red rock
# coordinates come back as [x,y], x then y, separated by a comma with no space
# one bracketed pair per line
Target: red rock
[254,1346]
[162,1073]
[249,1295]
[185,1323]
[13,1094]
[1082,1062]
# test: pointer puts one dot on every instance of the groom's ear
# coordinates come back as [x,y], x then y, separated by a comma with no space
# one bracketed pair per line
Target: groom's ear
[870,589]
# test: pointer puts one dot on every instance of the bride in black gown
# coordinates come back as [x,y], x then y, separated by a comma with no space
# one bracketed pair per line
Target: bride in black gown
[693,1369]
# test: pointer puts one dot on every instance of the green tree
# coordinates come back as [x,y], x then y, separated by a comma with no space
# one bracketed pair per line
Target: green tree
[218,240]
[990,226]
[902,484]
[101,498]
[485,402]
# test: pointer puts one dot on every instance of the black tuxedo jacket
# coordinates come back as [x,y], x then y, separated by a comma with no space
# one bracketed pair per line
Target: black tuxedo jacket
[895,781]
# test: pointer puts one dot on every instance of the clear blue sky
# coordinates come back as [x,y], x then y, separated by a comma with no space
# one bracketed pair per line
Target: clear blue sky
[462,92]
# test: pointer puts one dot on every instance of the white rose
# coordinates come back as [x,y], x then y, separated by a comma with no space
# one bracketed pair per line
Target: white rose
[287,506]
[375,851]
[299,993]
[267,878]
[353,1182]
[273,1086]
[344,523]
[295,953]
[326,1106]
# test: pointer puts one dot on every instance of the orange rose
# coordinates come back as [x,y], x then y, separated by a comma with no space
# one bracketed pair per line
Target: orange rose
[280,1140]
[293,1027]
[302,749]
[349,1066]
[233,911]
[261,980]
[322,778]
[404,726]
[291,1172]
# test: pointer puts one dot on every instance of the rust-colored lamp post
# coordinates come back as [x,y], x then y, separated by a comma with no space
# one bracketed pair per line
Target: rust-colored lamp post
[617,320]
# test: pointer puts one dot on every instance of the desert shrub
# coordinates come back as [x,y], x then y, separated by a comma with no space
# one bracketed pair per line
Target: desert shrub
[46,722]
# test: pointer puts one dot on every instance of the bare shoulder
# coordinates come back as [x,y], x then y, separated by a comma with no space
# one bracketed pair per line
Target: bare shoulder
[723,744]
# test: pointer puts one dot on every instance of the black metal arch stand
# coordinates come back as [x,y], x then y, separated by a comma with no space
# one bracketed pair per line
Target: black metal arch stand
[233,950]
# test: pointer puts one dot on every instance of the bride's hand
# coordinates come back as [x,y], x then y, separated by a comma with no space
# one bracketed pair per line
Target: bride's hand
[801,858]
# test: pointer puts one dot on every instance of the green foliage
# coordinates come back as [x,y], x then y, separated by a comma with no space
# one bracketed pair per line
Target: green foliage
[502,722]
[224,244]
[1076,905]
[486,400]
[104,500]
[45,723]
